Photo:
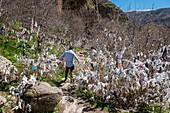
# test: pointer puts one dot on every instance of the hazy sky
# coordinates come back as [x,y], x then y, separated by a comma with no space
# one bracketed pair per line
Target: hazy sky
[127,5]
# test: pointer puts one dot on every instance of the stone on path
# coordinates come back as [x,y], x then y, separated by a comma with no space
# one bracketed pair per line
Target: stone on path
[70,104]
[77,105]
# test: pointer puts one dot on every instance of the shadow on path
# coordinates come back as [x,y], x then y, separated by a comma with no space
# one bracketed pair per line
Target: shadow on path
[58,83]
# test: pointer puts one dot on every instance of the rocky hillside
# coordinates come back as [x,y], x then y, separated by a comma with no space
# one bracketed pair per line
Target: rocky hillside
[159,16]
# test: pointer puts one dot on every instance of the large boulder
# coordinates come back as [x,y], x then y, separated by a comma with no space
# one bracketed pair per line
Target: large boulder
[7,70]
[42,97]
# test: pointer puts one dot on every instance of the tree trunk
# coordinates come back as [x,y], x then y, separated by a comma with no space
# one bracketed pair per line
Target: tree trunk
[60,2]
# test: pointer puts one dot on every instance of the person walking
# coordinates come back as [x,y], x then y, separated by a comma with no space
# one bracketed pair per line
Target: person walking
[69,59]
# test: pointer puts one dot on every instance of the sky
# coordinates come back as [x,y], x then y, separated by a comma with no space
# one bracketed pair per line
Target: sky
[131,5]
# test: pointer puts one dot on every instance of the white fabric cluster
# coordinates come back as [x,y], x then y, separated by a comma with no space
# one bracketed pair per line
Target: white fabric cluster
[108,81]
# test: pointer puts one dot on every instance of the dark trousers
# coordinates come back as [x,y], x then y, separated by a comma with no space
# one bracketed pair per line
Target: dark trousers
[67,70]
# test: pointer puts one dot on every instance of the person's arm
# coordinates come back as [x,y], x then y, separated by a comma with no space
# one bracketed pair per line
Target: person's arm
[62,56]
[76,57]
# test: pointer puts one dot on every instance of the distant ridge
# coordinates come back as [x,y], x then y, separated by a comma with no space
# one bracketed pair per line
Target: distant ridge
[158,16]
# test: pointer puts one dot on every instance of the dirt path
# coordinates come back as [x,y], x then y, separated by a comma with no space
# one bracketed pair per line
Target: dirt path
[70,104]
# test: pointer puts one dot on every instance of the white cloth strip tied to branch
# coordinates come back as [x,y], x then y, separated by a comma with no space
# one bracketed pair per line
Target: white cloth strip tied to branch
[130,77]
[135,69]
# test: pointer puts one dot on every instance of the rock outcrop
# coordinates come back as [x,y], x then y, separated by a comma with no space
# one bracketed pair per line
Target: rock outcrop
[7,70]
[42,97]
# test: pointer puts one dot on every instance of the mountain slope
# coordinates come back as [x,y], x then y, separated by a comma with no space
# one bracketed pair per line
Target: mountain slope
[80,17]
[85,23]
[159,16]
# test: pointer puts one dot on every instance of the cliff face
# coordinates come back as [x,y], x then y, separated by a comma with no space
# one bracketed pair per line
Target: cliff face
[88,13]
[159,16]
[105,8]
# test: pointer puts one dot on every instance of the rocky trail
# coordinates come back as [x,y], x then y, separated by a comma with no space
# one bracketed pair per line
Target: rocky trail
[70,103]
